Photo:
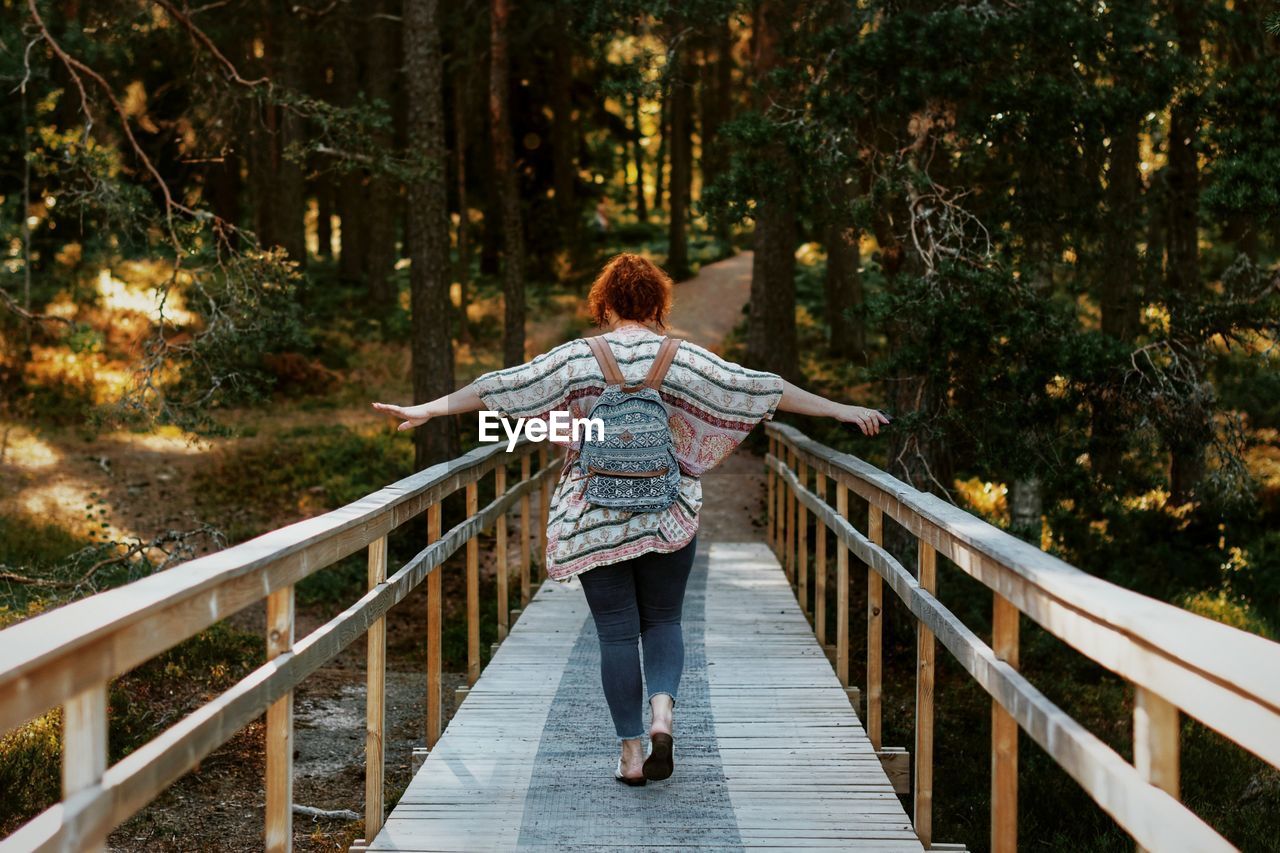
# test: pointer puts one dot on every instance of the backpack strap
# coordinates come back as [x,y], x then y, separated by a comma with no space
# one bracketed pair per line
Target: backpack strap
[661,362]
[608,365]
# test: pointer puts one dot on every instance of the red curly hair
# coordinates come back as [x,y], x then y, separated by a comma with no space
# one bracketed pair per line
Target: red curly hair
[633,288]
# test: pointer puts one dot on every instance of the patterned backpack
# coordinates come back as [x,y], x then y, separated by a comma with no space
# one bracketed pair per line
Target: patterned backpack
[634,466]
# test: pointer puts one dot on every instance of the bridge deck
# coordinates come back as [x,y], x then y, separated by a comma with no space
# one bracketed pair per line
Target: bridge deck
[768,751]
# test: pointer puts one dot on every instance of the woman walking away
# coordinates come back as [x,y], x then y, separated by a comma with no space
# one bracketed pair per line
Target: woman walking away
[624,516]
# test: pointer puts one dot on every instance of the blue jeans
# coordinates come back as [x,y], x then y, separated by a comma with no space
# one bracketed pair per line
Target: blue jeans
[639,600]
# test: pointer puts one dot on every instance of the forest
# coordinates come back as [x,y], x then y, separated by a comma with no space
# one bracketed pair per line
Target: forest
[1044,235]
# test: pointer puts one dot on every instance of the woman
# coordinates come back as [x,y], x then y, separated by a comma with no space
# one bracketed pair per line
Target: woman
[634,566]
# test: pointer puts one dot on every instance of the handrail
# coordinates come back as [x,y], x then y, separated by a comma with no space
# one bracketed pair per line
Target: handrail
[1226,678]
[67,656]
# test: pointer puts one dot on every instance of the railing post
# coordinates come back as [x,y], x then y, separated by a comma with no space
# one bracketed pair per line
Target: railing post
[792,500]
[842,590]
[500,554]
[770,532]
[279,739]
[525,532]
[780,499]
[375,700]
[435,622]
[875,629]
[820,564]
[802,560]
[925,654]
[544,511]
[84,746]
[1156,740]
[1004,735]
[473,590]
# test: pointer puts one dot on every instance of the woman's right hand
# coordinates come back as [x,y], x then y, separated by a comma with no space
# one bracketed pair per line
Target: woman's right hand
[414,416]
[868,420]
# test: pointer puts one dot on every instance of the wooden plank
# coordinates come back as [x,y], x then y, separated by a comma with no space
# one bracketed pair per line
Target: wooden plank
[132,782]
[84,747]
[798,767]
[842,592]
[1004,735]
[820,565]
[525,533]
[500,557]
[473,591]
[375,699]
[279,731]
[770,531]
[1150,815]
[790,564]
[51,657]
[1156,740]
[925,656]
[802,556]
[897,766]
[435,644]
[875,631]
[1227,678]
[544,511]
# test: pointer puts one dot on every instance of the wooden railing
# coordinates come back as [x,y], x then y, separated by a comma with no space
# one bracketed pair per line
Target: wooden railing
[1177,662]
[67,656]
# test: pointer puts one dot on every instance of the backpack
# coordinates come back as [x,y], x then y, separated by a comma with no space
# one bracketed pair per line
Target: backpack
[634,466]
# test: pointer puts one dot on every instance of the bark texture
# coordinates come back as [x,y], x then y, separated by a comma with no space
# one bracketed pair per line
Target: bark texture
[428,229]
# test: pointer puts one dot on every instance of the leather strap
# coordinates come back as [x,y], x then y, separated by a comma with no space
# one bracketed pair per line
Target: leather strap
[662,362]
[608,365]
[613,375]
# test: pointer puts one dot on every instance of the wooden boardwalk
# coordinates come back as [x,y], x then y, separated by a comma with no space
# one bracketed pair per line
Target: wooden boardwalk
[769,753]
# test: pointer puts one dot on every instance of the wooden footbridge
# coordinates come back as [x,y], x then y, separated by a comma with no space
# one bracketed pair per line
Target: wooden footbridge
[775,747]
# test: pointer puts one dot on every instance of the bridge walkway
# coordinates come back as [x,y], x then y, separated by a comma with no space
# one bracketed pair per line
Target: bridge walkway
[769,752]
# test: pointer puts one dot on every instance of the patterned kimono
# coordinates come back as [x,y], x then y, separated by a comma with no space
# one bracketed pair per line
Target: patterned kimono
[711,406]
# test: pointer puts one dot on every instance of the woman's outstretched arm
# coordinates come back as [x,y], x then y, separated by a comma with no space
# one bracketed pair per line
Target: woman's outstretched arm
[803,402]
[458,403]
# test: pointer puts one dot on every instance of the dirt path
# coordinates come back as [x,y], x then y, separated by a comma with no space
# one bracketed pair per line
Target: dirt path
[710,304]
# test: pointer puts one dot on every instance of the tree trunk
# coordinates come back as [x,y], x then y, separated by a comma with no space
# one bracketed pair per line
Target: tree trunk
[384,191]
[563,137]
[715,102]
[290,198]
[350,200]
[428,230]
[1187,444]
[504,176]
[771,323]
[642,205]
[491,235]
[847,337]
[660,161]
[1120,297]
[681,88]
[461,118]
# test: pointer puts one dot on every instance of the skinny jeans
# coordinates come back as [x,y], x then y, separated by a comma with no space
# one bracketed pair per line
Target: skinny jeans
[639,602]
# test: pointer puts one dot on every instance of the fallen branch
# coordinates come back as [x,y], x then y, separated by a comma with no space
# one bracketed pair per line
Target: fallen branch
[321,814]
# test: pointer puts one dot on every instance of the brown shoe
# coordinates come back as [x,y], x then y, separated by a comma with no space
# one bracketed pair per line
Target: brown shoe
[661,761]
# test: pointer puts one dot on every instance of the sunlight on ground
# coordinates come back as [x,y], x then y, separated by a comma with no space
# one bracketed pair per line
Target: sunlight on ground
[70,489]
[23,449]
